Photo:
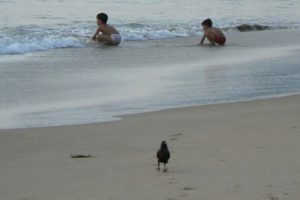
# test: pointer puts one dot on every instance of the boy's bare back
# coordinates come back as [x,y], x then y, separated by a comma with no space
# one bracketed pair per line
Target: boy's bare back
[107,29]
[215,31]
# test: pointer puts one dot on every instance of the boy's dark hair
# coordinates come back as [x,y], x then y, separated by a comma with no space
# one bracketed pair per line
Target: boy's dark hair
[103,17]
[207,22]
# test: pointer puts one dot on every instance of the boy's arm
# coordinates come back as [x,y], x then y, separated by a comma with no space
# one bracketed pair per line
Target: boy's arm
[96,33]
[202,40]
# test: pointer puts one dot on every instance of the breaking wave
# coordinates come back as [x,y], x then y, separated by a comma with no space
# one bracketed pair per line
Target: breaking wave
[22,40]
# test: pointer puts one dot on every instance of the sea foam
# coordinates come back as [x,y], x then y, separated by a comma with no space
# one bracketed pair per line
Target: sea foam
[26,45]
[20,40]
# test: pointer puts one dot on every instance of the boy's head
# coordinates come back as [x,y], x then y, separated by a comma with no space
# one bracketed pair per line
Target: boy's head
[207,23]
[102,18]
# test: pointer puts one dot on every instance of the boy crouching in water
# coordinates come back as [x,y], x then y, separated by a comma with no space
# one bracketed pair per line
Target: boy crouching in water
[106,33]
[214,35]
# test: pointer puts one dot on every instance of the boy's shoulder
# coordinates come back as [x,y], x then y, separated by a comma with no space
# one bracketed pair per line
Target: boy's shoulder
[108,29]
[104,26]
[215,28]
[209,29]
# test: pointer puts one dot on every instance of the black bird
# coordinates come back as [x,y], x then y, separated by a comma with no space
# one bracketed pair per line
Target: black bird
[163,155]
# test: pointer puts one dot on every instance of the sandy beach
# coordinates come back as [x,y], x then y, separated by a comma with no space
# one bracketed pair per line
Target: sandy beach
[247,150]
[81,120]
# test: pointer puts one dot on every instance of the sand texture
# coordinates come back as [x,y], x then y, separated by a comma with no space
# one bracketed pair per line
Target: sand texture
[241,151]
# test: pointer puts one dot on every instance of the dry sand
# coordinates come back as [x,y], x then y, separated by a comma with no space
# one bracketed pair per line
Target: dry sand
[244,151]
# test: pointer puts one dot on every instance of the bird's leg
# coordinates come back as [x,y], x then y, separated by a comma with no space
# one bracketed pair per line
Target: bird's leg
[158,165]
[165,169]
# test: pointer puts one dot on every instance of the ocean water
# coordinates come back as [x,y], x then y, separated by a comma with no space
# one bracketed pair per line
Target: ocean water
[39,25]
[49,77]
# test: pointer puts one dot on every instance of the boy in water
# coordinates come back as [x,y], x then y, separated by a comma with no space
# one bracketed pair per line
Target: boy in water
[214,35]
[105,33]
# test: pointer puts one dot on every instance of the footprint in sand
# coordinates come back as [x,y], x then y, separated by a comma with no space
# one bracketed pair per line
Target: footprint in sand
[183,195]
[187,188]
[178,134]
[273,198]
[172,180]
[175,136]
[184,191]
[238,187]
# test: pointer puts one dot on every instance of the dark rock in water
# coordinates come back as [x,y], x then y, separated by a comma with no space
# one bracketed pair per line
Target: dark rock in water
[163,155]
[254,27]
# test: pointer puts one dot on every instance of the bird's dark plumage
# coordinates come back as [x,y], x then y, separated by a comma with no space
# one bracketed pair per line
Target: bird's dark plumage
[163,155]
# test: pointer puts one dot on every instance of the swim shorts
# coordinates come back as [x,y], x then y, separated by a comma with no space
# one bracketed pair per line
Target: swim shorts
[220,40]
[116,39]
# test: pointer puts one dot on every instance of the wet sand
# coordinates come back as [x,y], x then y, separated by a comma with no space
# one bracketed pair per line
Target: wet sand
[96,83]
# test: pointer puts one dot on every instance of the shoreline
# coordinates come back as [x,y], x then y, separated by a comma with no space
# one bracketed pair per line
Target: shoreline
[122,117]
[60,88]
[81,41]
[246,150]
